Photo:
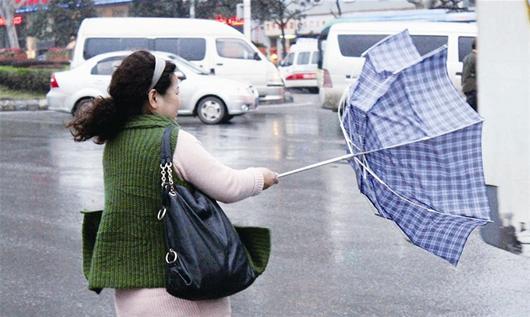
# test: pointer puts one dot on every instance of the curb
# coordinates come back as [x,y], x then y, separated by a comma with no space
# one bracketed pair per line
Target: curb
[23,105]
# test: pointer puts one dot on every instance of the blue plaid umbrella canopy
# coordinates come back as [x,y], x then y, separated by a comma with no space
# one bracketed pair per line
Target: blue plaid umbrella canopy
[417,146]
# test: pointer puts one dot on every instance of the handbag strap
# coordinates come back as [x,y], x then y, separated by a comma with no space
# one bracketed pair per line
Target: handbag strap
[166,162]
[166,182]
[165,155]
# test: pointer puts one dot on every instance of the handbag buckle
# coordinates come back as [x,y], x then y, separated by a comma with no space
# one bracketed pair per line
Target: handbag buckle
[161,213]
[175,256]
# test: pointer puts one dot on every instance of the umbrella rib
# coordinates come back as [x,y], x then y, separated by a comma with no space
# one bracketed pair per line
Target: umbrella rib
[348,140]
[352,155]
[369,170]
[355,156]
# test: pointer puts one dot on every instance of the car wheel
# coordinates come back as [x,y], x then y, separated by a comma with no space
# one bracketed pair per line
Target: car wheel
[81,104]
[211,110]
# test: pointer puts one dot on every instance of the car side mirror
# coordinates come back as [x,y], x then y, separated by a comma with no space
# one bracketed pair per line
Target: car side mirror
[180,75]
[256,56]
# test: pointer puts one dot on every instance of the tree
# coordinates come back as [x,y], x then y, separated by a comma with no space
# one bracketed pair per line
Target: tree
[457,5]
[281,12]
[61,19]
[422,4]
[160,8]
[7,11]
[204,9]
[339,10]
[209,9]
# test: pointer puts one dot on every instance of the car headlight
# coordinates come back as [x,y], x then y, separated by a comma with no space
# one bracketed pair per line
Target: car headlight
[245,91]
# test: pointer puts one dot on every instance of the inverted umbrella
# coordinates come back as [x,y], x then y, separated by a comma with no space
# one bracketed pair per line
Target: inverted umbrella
[415,146]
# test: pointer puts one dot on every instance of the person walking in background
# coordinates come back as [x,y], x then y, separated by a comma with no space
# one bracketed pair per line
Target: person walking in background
[129,251]
[469,77]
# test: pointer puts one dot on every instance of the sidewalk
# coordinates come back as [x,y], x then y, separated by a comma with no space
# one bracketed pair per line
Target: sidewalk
[23,104]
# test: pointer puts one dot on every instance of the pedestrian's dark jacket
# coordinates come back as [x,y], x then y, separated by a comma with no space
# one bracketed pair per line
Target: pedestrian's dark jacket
[469,73]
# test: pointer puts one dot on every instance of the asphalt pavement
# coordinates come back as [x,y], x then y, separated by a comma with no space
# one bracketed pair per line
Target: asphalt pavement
[331,255]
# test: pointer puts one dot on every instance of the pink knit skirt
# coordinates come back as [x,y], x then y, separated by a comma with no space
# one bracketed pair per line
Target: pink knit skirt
[156,302]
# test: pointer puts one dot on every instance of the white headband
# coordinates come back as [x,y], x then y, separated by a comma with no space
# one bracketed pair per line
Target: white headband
[160,64]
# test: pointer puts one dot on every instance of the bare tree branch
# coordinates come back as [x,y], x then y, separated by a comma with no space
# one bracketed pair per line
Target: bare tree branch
[7,10]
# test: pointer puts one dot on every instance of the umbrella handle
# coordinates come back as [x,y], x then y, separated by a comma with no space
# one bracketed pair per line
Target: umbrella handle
[308,167]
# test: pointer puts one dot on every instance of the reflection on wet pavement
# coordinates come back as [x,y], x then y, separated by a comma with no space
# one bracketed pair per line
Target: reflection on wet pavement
[330,255]
[502,232]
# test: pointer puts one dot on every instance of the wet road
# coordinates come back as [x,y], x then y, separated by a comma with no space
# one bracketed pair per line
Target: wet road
[331,255]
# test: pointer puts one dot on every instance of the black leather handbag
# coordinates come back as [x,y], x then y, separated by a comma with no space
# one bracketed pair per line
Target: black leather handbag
[207,256]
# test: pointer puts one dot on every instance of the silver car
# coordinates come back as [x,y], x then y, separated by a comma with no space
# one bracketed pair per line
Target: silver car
[213,99]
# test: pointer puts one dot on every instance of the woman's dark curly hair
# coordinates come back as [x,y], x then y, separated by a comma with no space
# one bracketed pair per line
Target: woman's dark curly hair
[104,118]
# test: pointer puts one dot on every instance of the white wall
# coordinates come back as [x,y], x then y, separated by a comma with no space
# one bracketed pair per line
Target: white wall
[504,102]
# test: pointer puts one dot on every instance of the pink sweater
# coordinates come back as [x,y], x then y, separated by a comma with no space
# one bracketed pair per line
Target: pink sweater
[195,165]
[219,181]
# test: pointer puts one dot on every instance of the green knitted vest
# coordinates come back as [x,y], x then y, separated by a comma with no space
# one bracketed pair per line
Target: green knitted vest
[123,246]
[129,248]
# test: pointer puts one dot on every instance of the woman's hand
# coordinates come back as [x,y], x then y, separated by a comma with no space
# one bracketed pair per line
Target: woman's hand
[269,178]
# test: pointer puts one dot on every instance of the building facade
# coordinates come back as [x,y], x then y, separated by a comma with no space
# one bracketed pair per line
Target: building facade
[104,8]
[269,33]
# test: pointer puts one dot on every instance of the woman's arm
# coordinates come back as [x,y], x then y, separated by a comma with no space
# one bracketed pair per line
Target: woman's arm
[195,165]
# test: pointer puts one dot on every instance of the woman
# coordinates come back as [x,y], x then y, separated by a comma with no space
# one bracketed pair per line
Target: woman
[129,249]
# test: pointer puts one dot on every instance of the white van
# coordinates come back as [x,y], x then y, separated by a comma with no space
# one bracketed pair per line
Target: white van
[213,46]
[299,67]
[342,44]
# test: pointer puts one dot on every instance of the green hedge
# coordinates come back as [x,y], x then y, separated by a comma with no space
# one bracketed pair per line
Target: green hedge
[33,63]
[36,80]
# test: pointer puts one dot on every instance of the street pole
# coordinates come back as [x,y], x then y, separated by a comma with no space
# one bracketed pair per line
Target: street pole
[247,18]
[192,9]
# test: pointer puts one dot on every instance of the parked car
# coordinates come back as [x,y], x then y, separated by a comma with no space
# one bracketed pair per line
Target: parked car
[299,68]
[342,44]
[212,46]
[213,99]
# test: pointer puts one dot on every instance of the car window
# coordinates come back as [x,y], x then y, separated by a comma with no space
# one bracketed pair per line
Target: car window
[189,65]
[464,46]
[303,58]
[234,48]
[428,43]
[288,60]
[96,46]
[353,45]
[192,49]
[107,66]
[314,57]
